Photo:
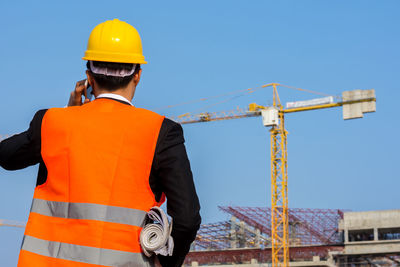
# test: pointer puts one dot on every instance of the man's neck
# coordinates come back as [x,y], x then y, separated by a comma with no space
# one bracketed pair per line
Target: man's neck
[123,92]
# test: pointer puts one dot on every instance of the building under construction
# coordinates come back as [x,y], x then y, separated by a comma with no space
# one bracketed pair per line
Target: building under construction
[317,237]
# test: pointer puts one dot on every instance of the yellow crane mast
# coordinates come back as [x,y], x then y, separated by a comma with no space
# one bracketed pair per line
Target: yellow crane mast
[354,103]
[279,196]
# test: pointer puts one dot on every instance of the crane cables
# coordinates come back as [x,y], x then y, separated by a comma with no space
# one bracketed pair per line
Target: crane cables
[236,94]
[155,237]
[249,90]
[304,90]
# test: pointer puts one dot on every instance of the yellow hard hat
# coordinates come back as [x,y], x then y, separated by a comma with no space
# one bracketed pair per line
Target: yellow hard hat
[115,41]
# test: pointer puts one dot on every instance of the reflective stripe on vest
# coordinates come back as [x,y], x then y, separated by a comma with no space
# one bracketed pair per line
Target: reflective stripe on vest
[91,255]
[86,211]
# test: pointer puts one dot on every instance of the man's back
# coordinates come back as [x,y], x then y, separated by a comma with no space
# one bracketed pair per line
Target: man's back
[104,143]
[98,207]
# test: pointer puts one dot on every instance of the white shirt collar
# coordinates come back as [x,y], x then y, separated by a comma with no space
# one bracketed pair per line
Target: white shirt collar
[114,96]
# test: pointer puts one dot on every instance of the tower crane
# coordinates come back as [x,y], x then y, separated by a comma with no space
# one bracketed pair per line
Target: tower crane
[354,104]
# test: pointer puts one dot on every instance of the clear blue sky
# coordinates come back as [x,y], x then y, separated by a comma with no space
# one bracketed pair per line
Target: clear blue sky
[204,48]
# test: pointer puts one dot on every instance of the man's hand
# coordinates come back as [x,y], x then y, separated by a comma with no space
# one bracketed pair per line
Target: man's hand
[75,98]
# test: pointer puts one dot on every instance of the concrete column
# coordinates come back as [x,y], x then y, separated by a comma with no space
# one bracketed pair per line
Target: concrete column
[346,236]
[376,234]
[253,261]
[233,232]
[258,238]
[242,236]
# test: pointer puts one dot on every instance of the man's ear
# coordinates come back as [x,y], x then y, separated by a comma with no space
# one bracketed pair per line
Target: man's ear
[90,78]
[136,77]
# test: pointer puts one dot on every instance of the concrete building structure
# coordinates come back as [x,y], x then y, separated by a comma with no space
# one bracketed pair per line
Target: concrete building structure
[370,234]
[317,238]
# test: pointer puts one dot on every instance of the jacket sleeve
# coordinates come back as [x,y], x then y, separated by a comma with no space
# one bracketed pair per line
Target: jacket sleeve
[22,150]
[171,175]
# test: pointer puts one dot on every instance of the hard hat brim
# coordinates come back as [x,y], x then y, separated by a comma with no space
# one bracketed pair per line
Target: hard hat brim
[114,57]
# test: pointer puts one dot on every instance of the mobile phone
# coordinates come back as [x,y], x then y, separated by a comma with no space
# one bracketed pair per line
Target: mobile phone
[89,90]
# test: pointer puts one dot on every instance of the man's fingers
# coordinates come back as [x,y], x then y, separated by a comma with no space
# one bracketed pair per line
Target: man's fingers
[80,86]
[81,82]
[76,95]
[80,89]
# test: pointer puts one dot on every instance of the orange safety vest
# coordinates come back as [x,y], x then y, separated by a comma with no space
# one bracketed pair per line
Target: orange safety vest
[92,207]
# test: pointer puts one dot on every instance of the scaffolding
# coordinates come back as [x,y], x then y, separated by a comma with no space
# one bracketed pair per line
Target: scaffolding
[250,227]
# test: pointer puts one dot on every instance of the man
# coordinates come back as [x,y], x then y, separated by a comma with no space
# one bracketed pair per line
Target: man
[103,165]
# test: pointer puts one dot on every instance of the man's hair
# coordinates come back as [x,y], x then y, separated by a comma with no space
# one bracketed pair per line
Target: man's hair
[112,83]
